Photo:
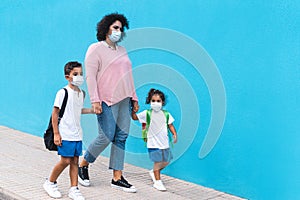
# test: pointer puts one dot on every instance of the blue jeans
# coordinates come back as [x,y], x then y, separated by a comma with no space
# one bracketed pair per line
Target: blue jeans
[113,127]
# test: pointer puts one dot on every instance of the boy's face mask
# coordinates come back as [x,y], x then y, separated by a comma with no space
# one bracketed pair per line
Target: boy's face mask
[77,80]
[156,106]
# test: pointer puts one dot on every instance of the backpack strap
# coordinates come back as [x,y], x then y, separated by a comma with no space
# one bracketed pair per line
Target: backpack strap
[148,117]
[167,114]
[63,107]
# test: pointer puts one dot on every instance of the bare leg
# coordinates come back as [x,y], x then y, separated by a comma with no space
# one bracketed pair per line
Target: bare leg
[158,166]
[83,163]
[117,175]
[74,171]
[59,168]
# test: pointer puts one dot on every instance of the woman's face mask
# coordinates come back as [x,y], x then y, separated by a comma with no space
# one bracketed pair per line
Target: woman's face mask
[115,36]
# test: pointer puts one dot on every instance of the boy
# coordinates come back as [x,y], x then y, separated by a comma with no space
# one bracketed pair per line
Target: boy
[68,134]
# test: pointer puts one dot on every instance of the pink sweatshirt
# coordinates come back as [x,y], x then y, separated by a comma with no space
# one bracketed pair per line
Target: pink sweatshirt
[108,74]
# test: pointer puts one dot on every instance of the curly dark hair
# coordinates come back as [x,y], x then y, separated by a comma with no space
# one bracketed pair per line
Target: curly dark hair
[70,66]
[107,21]
[152,92]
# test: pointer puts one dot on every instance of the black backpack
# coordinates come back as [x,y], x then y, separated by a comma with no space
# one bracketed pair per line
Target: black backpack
[49,135]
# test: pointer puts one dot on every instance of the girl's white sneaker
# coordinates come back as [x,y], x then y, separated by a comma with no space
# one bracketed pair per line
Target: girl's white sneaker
[152,175]
[159,185]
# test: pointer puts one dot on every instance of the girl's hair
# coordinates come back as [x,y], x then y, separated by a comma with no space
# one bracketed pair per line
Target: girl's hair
[152,92]
[70,66]
[107,21]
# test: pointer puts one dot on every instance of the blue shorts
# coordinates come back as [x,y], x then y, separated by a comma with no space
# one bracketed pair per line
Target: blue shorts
[70,148]
[160,155]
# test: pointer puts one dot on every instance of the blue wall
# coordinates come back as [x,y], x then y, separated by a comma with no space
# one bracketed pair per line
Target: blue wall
[252,48]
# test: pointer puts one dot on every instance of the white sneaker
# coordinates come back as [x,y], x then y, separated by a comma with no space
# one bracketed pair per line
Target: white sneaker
[152,175]
[159,185]
[74,193]
[52,189]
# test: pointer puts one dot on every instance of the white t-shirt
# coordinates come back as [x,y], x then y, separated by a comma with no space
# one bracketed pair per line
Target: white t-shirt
[69,126]
[157,136]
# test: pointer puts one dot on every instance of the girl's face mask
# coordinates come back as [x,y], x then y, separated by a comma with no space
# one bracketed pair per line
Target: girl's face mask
[156,106]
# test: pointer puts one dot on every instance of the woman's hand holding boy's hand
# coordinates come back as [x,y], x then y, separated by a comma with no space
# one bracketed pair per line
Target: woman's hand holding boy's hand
[97,108]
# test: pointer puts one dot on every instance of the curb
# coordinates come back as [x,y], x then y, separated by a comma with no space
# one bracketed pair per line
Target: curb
[8,195]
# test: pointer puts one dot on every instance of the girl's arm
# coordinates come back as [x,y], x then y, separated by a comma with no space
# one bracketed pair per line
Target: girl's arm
[87,111]
[173,131]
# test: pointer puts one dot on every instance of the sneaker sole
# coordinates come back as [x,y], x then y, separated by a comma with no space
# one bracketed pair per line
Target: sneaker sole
[129,190]
[71,197]
[82,182]
[160,189]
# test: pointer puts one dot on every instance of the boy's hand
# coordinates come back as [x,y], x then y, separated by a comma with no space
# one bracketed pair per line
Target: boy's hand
[57,139]
[97,108]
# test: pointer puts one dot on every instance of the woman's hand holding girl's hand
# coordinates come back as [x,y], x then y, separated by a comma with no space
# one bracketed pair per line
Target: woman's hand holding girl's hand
[135,107]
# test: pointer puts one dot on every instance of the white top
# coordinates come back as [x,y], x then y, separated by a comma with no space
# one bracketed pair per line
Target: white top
[69,126]
[157,136]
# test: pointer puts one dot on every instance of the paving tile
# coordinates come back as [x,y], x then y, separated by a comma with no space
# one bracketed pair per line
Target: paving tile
[27,163]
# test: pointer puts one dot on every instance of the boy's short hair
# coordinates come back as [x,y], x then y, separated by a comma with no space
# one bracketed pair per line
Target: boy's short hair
[70,66]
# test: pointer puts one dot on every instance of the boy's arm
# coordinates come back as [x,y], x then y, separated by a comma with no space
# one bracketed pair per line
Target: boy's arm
[57,137]
[173,131]
[87,111]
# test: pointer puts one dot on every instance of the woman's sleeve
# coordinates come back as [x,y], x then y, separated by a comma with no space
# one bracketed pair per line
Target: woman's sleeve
[92,65]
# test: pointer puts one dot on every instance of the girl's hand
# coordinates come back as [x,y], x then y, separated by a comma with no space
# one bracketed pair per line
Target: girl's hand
[57,139]
[174,139]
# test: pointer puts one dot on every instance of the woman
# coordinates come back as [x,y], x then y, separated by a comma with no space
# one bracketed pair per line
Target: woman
[112,94]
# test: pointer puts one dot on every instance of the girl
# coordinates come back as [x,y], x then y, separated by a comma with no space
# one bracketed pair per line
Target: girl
[157,134]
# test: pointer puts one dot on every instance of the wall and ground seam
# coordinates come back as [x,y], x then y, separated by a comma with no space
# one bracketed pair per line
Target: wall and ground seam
[230,70]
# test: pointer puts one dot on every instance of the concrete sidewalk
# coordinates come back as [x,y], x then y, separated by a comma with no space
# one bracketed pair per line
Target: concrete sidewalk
[25,163]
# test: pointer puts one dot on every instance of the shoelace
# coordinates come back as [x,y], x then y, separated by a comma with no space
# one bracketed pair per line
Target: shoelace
[125,181]
[54,187]
[77,193]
